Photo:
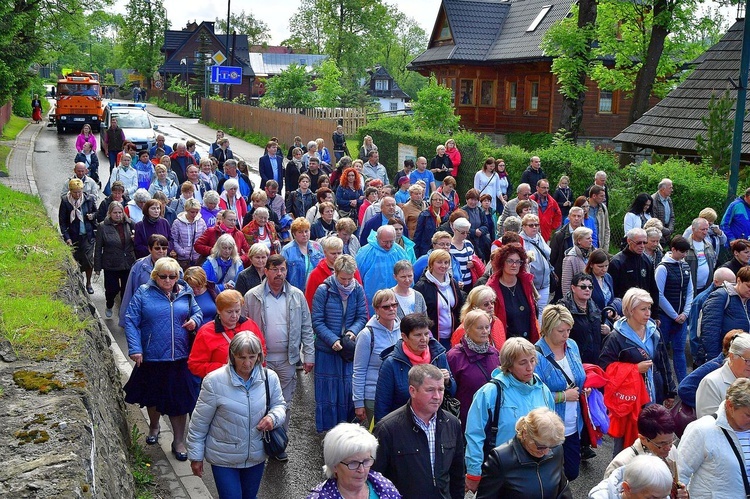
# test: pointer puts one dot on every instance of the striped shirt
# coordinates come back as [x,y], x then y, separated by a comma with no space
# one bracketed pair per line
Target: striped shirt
[463,256]
[744,438]
[429,431]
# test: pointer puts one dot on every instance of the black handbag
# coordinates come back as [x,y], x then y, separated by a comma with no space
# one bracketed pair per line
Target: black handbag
[347,348]
[451,405]
[275,440]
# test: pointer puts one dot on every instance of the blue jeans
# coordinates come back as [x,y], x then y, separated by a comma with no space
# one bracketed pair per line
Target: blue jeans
[238,483]
[676,335]
[112,156]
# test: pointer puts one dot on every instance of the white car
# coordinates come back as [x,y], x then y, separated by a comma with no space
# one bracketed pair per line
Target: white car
[134,121]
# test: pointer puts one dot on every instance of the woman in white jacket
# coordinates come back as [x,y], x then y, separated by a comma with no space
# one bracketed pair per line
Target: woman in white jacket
[230,417]
[706,459]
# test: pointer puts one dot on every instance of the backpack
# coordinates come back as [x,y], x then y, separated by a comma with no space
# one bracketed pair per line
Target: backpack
[490,428]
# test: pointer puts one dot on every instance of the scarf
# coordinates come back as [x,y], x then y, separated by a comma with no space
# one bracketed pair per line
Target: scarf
[502,174]
[585,252]
[76,203]
[477,347]
[416,358]
[224,266]
[345,291]
[152,220]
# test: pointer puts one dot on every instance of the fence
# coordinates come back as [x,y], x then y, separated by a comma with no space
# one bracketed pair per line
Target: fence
[269,122]
[178,98]
[350,118]
[5,113]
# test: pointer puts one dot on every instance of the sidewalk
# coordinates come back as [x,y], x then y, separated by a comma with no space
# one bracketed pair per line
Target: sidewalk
[20,161]
[241,149]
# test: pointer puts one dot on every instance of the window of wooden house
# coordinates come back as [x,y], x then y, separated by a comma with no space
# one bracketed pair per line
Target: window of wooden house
[445,30]
[512,95]
[487,95]
[605,101]
[467,92]
[381,85]
[539,18]
[532,102]
[394,106]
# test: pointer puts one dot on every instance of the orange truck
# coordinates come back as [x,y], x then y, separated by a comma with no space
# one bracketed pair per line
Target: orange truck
[78,102]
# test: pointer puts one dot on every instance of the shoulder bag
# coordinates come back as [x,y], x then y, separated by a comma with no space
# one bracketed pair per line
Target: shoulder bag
[275,440]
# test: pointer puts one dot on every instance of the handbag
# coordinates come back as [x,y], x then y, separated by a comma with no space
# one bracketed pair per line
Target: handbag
[275,440]
[451,405]
[683,415]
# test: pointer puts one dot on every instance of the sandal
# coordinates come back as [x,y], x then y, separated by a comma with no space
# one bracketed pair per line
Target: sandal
[90,289]
[180,456]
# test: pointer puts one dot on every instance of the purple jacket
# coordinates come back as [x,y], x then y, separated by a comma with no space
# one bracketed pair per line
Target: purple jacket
[184,235]
[466,366]
[208,216]
[144,229]
[382,486]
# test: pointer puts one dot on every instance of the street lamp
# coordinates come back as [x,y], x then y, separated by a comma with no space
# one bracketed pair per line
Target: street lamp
[184,61]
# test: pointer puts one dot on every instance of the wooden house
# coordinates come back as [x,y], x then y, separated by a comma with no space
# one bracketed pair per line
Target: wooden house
[670,127]
[384,89]
[488,52]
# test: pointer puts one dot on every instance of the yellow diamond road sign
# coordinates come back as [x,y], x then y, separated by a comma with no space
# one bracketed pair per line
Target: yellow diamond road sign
[218,57]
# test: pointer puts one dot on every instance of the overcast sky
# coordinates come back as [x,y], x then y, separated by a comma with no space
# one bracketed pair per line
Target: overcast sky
[276,14]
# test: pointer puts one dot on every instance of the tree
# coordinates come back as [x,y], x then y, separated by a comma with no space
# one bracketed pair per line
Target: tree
[433,109]
[715,144]
[569,43]
[328,88]
[143,36]
[246,24]
[290,88]
[400,43]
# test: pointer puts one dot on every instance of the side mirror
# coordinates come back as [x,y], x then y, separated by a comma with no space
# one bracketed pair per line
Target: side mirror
[156,127]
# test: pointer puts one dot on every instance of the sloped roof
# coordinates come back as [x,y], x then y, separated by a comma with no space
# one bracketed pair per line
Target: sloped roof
[270,64]
[393,92]
[675,121]
[175,40]
[493,31]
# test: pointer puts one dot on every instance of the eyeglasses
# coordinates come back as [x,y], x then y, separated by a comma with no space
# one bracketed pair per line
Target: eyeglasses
[165,248]
[640,243]
[747,361]
[389,305]
[586,286]
[540,448]
[531,225]
[463,232]
[355,465]
[513,262]
[164,277]
[662,445]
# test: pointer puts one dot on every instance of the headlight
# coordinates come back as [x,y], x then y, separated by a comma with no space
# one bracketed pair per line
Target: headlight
[94,118]
[63,118]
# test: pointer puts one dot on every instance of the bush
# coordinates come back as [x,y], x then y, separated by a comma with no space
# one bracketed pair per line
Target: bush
[529,141]
[22,101]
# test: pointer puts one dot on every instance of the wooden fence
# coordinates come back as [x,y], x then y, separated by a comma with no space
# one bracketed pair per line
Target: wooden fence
[5,113]
[269,122]
[350,118]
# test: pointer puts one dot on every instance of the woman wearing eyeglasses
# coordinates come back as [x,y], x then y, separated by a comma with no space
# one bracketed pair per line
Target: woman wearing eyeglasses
[349,453]
[587,329]
[514,286]
[539,266]
[161,318]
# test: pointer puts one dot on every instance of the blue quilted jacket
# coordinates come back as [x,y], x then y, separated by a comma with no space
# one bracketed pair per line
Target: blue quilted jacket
[329,317]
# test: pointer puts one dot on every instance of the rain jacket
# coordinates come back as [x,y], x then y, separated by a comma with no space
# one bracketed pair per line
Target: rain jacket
[376,268]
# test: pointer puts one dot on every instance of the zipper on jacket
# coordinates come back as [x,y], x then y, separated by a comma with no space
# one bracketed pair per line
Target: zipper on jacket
[249,424]
[539,477]
[171,314]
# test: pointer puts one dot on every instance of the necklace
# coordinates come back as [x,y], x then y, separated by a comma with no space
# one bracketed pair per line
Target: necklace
[512,291]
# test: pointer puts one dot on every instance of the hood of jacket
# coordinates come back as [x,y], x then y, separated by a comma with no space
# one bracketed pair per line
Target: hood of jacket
[182,217]
[375,324]
[510,381]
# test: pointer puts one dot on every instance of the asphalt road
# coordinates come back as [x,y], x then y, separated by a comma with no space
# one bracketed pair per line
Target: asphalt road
[53,165]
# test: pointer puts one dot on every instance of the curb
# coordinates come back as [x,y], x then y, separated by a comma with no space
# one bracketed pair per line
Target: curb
[203,141]
[30,162]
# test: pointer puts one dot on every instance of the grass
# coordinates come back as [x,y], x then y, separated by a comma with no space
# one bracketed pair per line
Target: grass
[13,128]
[353,146]
[140,462]
[38,323]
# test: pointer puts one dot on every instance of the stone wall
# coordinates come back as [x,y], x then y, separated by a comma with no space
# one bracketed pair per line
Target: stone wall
[71,441]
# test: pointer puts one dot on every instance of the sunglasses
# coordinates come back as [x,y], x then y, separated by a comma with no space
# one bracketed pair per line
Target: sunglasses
[389,305]
[164,277]
[586,286]
[531,225]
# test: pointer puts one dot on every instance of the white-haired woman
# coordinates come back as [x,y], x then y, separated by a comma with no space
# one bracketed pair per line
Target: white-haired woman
[644,476]
[224,264]
[231,198]
[463,251]
[712,389]
[576,258]
[186,229]
[539,266]
[531,464]
[227,425]
[349,453]
[339,313]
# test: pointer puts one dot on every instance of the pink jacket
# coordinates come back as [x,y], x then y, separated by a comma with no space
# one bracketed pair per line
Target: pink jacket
[80,140]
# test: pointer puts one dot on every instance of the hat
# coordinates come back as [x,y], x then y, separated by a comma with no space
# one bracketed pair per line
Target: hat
[403,180]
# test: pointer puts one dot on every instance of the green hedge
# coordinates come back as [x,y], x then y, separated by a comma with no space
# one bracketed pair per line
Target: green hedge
[528,140]
[695,186]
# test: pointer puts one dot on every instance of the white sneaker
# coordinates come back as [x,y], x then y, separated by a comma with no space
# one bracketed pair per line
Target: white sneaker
[108,313]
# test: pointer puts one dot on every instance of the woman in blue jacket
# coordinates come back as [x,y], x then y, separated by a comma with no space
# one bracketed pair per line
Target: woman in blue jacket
[339,313]
[416,346]
[560,368]
[161,319]
[301,254]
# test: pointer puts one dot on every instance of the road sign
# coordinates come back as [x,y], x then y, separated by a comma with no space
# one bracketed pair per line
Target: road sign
[219,57]
[226,75]
[158,84]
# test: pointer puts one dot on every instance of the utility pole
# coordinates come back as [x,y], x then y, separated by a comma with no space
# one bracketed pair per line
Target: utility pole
[739,117]
[226,45]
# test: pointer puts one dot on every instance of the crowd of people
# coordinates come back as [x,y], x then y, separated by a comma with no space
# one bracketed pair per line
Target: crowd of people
[485,347]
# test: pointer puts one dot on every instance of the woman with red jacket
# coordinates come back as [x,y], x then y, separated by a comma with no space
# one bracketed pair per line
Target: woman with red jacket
[226,223]
[210,349]
[513,284]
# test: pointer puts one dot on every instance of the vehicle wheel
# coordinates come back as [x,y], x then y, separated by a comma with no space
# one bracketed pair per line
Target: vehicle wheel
[60,128]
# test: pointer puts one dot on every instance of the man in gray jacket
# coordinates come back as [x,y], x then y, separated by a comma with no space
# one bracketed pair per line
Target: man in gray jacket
[282,313]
